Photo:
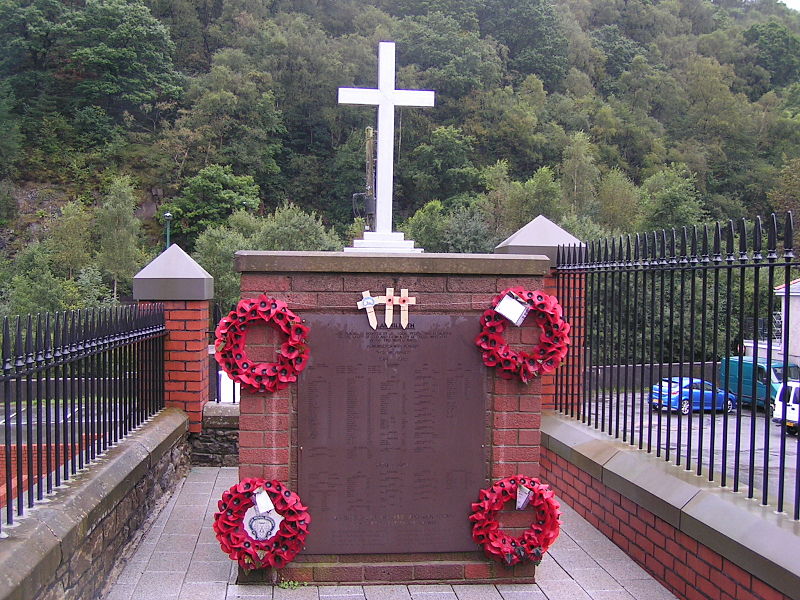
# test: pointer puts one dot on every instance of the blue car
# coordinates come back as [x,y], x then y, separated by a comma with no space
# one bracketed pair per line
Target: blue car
[686,395]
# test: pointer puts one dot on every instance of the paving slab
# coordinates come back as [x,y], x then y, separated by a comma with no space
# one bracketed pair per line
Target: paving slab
[302,593]
[263,592]
[563,590]
[595,579]
[341,591]
[203,591]
[387,592]
[179,558]
[477,592]
[533,594]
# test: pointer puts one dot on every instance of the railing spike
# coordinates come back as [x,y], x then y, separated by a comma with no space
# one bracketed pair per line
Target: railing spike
[742,239]
[684,244]
[39,340]
[772,237]
[8,365]
[788,236]
[757,235]
[19,361]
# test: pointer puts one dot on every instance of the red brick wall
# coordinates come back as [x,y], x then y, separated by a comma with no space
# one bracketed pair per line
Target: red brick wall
[268,423]
[687,568]
[186,370]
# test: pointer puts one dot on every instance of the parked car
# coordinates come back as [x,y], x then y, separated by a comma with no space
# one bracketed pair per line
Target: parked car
[687,394]
[752,376]
[792,408]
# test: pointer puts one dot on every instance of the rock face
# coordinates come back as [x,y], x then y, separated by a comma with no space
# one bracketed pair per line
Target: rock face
[218,444]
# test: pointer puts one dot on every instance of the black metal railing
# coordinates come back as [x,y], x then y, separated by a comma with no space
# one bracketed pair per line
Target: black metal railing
[654,307]
[73,384]
[219,384]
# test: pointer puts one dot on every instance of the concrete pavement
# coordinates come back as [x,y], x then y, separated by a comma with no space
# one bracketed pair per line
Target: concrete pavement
[178,558]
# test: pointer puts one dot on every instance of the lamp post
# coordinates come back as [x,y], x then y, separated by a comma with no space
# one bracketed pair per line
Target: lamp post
[167,227]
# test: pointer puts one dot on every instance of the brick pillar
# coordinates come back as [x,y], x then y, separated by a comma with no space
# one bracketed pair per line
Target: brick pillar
[186,291]
[186,372]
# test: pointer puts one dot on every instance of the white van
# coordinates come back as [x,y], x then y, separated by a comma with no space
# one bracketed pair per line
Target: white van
[792,408]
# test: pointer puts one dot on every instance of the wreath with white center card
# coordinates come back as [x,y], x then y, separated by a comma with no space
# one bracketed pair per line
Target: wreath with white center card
[261,523]
[514,305]
[528,493]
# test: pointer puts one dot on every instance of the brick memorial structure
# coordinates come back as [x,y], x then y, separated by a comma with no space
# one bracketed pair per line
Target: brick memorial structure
[390,432]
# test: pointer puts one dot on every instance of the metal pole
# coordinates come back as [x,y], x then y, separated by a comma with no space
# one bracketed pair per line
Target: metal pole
[168,227]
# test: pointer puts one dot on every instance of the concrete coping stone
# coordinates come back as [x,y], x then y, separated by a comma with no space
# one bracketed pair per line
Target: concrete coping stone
[752,536]
[173,275]
[220,415]
[425,263]
[51,532]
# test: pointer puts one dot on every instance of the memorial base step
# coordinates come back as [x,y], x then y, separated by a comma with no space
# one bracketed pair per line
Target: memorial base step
[404,570]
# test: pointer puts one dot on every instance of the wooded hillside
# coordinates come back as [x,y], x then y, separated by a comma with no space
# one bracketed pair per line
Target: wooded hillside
[604,115]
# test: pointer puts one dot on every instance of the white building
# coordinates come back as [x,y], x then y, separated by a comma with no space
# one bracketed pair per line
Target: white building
[793,338]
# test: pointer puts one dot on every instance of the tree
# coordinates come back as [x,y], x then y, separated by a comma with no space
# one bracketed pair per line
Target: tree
[427,227]
[515,203]
[618,202]
[214,251]
[618,49]
[91,289]
[69,239]
[291,228]
[31,34]
[506,122]
[467,230]
[33,287]
[442,168]
[118,253]
[671,199]
[579,174]
[9,126]
[119,57]
[778,51]
[208,199]
[534,37]
[233,120]
[288,228]
[785,196]
[451,61]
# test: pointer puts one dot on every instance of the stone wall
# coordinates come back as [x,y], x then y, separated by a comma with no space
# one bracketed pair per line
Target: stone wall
[65,549]
[218,444]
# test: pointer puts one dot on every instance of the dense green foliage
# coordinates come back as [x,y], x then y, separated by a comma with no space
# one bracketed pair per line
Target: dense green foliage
[604,115]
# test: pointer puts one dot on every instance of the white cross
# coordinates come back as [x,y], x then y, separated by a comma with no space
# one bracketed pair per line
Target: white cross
[386,97]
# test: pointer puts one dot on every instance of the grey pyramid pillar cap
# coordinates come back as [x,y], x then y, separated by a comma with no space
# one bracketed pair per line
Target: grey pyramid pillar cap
[540,236]
[173,275]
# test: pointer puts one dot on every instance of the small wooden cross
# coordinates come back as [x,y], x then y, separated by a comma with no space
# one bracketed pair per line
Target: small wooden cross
[389,300]
[404,302]
[369,303]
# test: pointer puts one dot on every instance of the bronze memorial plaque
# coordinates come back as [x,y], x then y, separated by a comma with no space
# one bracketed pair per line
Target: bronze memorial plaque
[391,426]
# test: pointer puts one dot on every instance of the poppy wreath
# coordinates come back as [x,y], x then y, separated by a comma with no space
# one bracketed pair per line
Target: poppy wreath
[231,338]
[534,541]
[545,356]
[277,551]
